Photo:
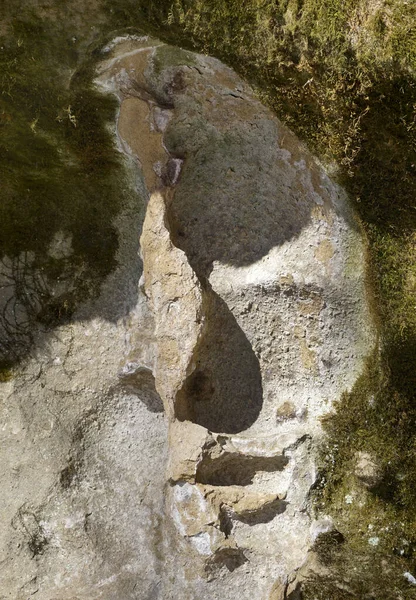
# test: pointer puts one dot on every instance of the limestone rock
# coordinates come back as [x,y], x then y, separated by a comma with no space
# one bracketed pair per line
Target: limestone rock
[175,297]
[249,321]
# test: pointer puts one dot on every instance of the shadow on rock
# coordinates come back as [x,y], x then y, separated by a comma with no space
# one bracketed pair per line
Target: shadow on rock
[224,393]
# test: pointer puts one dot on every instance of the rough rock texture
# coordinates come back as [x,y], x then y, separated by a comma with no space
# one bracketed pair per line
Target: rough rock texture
[251,320]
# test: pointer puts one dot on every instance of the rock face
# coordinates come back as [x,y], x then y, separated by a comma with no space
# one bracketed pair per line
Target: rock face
[251,320]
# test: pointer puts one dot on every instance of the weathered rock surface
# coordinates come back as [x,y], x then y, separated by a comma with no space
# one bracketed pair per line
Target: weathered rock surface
[251,320]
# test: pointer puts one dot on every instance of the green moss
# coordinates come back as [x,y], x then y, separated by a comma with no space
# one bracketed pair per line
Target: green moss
[6,373]
[60,172]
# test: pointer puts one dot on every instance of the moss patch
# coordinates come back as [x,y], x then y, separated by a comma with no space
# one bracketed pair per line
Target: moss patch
[6,373]
[61,174]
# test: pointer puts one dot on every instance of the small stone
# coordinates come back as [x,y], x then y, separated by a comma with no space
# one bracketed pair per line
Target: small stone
[286,411]
[410,578]
[367,470]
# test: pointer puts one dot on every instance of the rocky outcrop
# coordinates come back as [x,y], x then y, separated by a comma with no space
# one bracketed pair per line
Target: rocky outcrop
[251,321]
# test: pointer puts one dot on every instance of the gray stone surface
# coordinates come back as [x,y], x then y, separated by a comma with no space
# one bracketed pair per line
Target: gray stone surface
[250,320]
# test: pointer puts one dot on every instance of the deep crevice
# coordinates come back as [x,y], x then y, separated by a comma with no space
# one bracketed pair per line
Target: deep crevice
[264,514]
[224,392]
[225,521]
[236,469]
[256,516]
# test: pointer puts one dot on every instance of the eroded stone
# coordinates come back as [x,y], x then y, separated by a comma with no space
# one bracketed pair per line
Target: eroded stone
[251,319]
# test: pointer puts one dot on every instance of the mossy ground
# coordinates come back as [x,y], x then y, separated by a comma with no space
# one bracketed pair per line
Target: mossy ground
[341,74]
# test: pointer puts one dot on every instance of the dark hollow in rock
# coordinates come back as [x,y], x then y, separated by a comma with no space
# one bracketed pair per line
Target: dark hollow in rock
[237,469]
[139,380]
[232,181]
[295,594]
[225,521]
[67,475]
[224,393]
[230,558]
[264,514]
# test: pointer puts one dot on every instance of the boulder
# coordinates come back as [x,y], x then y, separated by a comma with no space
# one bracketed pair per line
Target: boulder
[250,320]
